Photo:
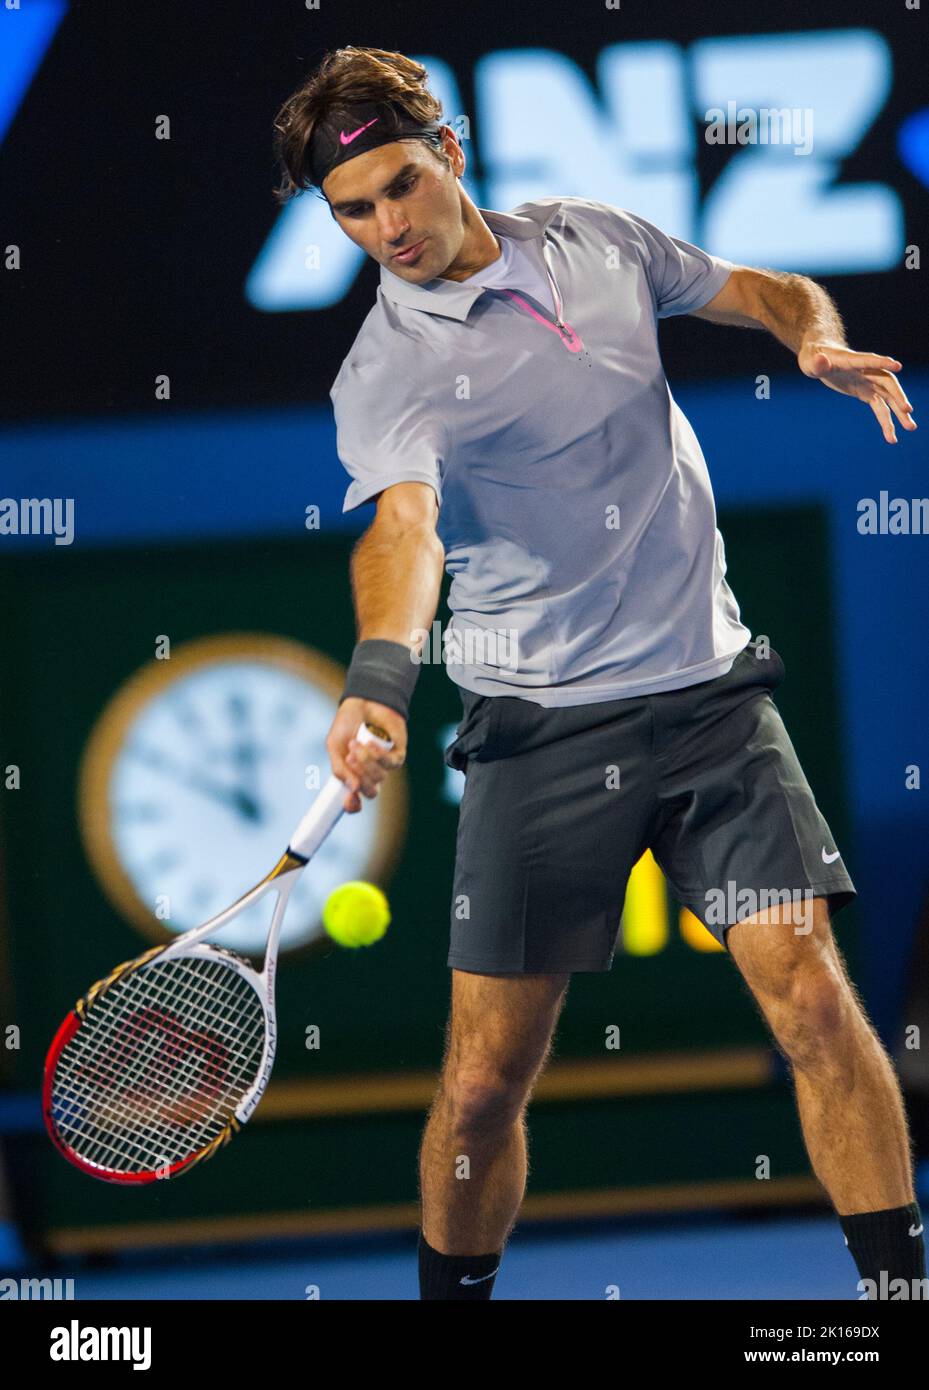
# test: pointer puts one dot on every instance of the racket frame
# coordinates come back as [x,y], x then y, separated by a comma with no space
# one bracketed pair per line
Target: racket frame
[313,829]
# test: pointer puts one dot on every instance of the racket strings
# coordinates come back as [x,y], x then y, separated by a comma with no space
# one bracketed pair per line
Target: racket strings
[122,1064]
[159,1065]
[141,1067]
[165,1000]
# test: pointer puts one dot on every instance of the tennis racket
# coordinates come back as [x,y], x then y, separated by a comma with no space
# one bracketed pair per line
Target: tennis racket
[163,1060]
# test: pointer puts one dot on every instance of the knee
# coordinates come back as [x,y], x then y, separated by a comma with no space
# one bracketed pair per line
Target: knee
[485,1100]
[813,1015]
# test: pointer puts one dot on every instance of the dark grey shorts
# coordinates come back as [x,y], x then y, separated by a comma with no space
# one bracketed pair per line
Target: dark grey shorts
[707,779]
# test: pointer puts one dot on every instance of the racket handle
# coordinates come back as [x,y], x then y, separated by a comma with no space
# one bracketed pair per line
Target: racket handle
[327,809]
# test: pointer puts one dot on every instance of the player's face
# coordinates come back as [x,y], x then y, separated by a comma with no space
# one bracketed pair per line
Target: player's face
[401,206]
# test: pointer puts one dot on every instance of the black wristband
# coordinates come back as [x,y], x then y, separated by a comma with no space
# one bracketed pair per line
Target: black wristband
[382,671]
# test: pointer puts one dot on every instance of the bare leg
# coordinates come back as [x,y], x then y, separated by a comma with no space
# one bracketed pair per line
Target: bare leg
[848,1095]
[473,1160]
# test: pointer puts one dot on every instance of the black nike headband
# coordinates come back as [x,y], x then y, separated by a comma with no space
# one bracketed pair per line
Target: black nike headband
[347,132]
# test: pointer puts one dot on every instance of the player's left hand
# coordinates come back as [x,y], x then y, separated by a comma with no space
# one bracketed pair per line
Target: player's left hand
[866,375]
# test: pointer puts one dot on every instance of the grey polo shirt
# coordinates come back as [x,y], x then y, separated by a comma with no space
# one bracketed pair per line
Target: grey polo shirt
[575,506]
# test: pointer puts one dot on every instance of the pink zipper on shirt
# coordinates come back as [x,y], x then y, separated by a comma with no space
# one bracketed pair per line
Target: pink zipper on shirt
[566,333]
[569,336]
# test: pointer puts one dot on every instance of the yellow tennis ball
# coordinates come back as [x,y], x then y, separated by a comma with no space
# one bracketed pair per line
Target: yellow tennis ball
[356,914]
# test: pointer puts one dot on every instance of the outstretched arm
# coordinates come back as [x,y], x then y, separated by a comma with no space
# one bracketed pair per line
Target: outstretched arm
[396,578]
[803,316]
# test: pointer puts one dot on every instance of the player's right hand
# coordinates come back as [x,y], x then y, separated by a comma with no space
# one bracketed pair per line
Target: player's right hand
[362,766]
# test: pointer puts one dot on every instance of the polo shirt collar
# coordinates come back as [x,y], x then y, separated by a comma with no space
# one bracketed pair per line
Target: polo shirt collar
[453,299]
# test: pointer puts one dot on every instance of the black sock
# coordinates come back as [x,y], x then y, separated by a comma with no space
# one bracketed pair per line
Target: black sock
[887,1245]
[455,1276]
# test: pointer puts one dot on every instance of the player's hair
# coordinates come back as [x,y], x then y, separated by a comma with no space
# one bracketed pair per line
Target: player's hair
[347,75]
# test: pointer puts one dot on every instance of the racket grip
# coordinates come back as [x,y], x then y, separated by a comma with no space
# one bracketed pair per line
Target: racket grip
[328,807]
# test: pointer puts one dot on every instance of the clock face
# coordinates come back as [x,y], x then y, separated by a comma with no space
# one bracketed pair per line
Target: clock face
[204,778]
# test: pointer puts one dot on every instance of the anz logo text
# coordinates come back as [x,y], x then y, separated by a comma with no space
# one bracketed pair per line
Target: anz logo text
[631,139]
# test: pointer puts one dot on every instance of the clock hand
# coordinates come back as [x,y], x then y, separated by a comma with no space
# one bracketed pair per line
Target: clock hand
[245,804]
[235,797]
[245,758]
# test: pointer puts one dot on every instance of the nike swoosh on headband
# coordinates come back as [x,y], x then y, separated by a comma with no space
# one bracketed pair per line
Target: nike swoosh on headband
[347,139]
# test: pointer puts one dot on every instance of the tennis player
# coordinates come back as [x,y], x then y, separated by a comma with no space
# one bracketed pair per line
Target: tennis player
[505,407]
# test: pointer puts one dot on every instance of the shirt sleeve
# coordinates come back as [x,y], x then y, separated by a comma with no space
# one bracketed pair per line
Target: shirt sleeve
[382,436]
[682,276]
